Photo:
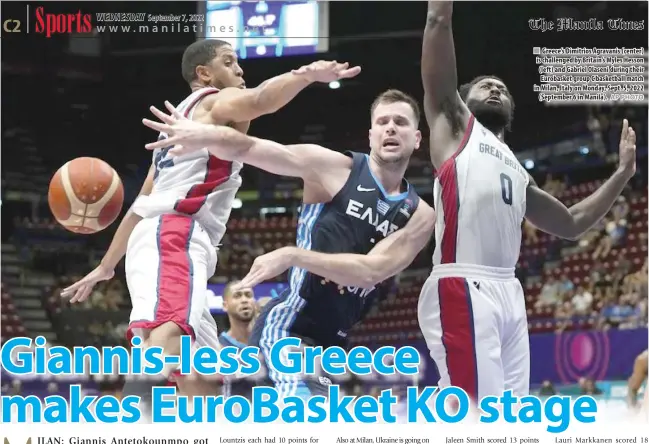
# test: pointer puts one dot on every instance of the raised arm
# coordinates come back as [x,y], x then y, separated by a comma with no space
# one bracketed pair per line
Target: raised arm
[438,66]
[242,105]
[390,256]
[550,215]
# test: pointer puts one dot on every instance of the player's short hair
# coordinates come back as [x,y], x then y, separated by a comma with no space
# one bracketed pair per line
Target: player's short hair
[465,88]
[201,52]
[395,96]
[228,288]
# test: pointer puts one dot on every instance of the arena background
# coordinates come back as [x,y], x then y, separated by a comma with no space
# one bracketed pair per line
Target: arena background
[81,95]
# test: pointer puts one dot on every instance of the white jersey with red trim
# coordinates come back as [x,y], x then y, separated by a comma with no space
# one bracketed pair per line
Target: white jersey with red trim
[197,184]
[480,197]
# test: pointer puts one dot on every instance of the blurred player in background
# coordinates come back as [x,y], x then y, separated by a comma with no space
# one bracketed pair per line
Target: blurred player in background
[472,308]
[638,377]
[170,234]
[353,203]
[241,308]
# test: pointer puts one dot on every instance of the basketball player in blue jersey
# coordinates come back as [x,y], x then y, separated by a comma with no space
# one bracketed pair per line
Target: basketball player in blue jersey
[353,204]
[472,309]
[170,233]
[240,307]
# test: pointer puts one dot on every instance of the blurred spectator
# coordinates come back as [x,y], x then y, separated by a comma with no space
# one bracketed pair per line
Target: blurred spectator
[623,267]
[621,209]
[563,315]
[52,388]
[530,232]
[588,387]
[550,293]
[554,248]
[589,240]
[616,229]
[582,301]
[553,186]
[595,126]
[604,245]
[617,310]
[547,389]
[566,285]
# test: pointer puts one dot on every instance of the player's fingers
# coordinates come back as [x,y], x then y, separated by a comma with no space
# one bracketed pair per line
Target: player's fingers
[174,112]
[163,143]
[625,129]
[68,291]
[252,278]
[78,297]
[342,66]
[631,137]
[244,283]
[157,126]
[166,118]
[351,72]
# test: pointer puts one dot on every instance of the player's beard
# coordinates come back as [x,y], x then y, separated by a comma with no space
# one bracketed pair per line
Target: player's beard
[493,116]
[244,318]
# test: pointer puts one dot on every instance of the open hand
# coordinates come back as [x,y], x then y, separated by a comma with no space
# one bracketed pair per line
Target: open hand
[80,290]
[627,149]
[183,134]
[266,266]
[324,71]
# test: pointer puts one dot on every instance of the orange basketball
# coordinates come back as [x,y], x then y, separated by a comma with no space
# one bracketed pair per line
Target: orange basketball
[86,195]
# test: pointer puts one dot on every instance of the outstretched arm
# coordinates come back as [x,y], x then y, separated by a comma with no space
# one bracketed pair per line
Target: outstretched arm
[242,105]
[438,66]
[550,215]
[307,161]
[390,256]
[637,378]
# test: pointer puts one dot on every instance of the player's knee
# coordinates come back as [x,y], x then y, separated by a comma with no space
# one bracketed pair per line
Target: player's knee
[166,336]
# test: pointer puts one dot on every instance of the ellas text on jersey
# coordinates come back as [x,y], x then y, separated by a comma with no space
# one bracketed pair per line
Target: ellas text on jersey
[373,217]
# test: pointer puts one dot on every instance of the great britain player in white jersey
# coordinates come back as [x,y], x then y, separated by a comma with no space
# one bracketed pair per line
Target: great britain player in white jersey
[472,308]
[171,233]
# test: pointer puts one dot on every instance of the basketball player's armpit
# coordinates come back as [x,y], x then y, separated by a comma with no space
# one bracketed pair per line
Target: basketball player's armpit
[240,105]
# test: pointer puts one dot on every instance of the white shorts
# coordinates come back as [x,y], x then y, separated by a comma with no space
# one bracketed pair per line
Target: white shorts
[475,325]
[169,259]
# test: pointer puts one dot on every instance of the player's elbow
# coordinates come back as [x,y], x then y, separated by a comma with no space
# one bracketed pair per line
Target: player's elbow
[573,231]
[371,280]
